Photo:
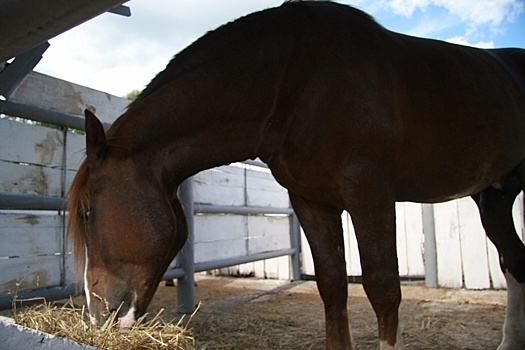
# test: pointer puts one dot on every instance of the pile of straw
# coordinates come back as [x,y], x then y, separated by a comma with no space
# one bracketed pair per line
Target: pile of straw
[71,322]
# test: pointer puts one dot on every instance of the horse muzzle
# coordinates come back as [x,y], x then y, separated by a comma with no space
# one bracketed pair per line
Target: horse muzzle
[101,311]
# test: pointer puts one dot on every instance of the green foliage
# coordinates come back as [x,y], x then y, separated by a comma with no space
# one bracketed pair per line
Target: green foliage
[132,95]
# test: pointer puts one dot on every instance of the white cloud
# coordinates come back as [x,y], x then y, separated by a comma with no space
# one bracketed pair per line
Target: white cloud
[470,22]
[463,41]
[476,12]
[407,7]
[117,54]
[99,55]
[428,26]
[486,11]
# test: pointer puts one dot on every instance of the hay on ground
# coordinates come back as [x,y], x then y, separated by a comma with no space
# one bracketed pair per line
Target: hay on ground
[72,322]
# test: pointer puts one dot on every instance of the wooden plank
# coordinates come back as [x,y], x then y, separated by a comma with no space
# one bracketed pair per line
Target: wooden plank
[255,269]
[211,251]
[223,185]
[517,214]
[263,190]
[75,154]
[410,229]
[30,179]
[70,176]
[59,95]
[70,276]
[219,237]
[447,245]
[249,268]
[414,237]
[29,235]
[283,268]
[33,144]
[268,233]
[271,269]
[401,239]
[276,268]
[29,273]
[473,246]
[353,264]
[258,268]
[409,223]
[217,228]
[346,240]
[496,275]
[307,260]
[75,150]
[353,260]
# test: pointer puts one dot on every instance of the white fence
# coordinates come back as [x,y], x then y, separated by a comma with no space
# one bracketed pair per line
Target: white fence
[466,258]
[41,162]
[409,243]
[219,236]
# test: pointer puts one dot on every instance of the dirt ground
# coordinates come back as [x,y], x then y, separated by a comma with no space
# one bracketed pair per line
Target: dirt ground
[238,313]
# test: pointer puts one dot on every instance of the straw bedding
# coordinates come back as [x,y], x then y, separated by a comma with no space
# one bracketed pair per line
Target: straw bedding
[248,314]
[70,321]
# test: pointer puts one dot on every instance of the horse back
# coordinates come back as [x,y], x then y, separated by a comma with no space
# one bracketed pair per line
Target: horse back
[446,120]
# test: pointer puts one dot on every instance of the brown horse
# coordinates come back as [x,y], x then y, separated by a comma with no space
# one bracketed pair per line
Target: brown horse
[348,116]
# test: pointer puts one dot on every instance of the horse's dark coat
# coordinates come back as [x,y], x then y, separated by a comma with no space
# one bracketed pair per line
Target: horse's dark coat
[348,116]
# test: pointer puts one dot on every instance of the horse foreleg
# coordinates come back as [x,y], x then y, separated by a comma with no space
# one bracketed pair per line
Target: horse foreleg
[495,206]
[371,205]
[514,326]
[322,227]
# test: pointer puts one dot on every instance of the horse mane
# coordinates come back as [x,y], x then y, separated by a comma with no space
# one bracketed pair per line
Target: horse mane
[197,52]
[78,207]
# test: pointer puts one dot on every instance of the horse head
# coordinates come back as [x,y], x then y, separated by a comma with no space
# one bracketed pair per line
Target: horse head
[125,228]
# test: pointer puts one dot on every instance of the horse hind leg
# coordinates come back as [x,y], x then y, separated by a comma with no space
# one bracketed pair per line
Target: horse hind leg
[322,227]
[495,207]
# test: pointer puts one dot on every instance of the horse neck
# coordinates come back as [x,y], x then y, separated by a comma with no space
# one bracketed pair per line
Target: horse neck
[180,133]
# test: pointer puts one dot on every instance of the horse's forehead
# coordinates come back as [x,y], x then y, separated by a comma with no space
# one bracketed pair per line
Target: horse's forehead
[102,174]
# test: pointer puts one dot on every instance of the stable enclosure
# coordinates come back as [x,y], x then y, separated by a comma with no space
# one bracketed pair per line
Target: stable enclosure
[242,220]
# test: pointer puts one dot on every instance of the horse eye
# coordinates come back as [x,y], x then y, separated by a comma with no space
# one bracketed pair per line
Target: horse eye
[84,215]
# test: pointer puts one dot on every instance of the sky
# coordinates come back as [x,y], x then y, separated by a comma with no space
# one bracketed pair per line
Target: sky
[117,54]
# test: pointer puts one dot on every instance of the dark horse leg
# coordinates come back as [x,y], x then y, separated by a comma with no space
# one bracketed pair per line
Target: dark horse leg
[495,207]
[370,200]
[322,227]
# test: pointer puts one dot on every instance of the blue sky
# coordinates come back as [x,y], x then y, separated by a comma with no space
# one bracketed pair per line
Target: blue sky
[116,54]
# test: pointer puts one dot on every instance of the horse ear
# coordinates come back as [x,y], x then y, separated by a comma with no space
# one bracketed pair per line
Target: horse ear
[95,137]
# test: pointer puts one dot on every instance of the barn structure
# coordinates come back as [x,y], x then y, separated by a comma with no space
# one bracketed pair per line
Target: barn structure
[240,218]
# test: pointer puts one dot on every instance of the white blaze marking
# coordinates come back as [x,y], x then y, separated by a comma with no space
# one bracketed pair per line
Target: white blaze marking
[125,322]
[86,290]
